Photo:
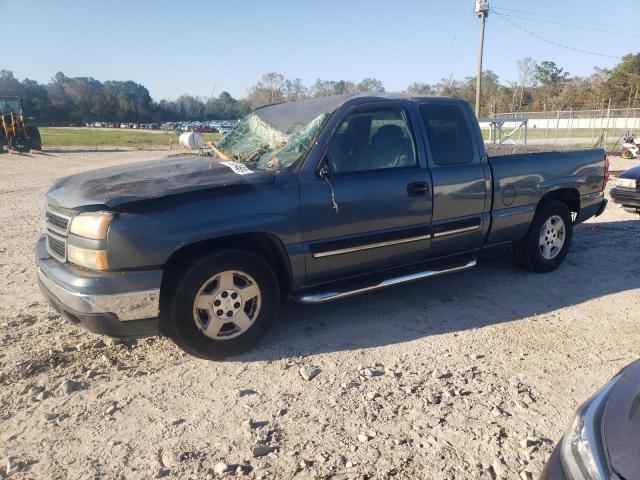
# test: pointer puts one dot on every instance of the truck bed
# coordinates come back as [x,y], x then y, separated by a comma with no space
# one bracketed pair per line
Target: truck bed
[521,180]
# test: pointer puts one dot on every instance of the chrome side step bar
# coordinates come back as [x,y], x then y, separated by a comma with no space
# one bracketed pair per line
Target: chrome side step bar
[328,296]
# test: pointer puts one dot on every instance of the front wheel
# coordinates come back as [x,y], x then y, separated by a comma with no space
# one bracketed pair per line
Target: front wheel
[626,154]
[548,239]
[17,143]
[222,305]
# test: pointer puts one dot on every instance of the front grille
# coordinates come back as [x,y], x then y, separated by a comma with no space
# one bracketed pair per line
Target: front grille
[626,194]
[57,225]
[57,247]
[57,222]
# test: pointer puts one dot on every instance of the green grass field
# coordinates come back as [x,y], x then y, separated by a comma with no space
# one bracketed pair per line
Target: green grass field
[100,137]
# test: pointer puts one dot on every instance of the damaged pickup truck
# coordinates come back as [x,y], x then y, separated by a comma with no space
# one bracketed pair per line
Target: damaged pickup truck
[309,201]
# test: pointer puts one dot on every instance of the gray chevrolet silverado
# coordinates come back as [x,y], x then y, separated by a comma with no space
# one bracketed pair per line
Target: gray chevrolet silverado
[309,201]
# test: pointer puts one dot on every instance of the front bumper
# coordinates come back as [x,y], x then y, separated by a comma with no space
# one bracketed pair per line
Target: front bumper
[629,199]
[118,304]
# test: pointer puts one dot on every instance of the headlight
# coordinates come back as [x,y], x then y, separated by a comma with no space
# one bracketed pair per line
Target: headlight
[91,225]
[626,183]
[88,258]
[582,453]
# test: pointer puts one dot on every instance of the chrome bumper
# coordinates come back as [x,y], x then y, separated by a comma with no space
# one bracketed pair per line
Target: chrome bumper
[126,306]
[129,296]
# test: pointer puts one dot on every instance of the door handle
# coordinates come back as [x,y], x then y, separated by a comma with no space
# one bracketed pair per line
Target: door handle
[418,188]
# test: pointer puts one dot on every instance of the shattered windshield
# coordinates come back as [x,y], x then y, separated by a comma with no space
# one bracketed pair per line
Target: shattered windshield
[287,154]
[250,137]
[256,142]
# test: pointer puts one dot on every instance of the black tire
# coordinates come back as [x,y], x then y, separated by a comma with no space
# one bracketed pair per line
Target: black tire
[528,252]
[626,154]
[35,142]
[18,144]
[177,318]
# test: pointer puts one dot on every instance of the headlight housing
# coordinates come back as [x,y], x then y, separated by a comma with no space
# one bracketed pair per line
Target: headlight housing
[626,183]
[582,453]
[90,253]
[91,225]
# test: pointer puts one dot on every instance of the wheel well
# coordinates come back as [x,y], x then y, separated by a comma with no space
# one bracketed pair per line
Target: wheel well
[264,244]
[569,196]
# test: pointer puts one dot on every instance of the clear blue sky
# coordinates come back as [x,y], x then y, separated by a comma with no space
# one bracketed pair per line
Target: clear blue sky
[175,47]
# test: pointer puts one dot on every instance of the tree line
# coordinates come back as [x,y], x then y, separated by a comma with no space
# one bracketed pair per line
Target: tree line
[67,100]
[546,86]
[540,86]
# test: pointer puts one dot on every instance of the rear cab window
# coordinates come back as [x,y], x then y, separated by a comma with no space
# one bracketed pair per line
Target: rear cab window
[448,134]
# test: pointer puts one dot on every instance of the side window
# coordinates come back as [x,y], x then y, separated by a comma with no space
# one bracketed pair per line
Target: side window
[448,134]
[372,140]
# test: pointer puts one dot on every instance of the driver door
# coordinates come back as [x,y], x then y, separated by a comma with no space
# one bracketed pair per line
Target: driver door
[369,205]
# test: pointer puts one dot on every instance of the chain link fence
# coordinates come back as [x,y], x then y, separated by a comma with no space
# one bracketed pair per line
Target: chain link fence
[561,129]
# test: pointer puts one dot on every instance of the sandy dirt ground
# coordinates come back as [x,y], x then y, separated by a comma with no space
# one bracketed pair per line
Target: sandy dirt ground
[473,375]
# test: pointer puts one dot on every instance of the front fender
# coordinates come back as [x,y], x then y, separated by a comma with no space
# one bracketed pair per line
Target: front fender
[148,236]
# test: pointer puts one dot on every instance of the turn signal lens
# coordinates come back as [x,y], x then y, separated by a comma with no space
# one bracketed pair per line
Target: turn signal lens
[85,257]
[606,172]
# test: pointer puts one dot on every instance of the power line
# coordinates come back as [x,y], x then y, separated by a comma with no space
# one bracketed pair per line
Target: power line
[574,19]
[464,43]
[584,27]
[539,37]
[453,40]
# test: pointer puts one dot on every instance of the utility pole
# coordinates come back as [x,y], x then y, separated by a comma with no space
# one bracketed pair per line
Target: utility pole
[482,10]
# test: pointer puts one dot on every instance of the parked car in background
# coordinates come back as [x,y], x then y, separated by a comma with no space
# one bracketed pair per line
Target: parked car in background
[626,192]
[204,129]
[314,201]
[603,441]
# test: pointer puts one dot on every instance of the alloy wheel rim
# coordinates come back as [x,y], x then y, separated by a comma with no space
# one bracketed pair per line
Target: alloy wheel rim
[552,237]
[227,304]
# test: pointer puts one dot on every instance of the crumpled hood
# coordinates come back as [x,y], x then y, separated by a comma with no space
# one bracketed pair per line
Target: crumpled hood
[122,184]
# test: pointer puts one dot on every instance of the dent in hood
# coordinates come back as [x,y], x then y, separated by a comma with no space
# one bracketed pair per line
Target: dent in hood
[133,182]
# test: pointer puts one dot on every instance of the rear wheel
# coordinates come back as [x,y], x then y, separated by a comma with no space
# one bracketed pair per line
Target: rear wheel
[222,305]
[548,239]
[35,142]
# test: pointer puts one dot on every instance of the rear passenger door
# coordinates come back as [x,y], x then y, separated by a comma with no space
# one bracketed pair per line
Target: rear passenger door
[461,189]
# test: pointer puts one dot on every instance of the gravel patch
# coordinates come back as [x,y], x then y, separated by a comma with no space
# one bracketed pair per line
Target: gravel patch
[474,375]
